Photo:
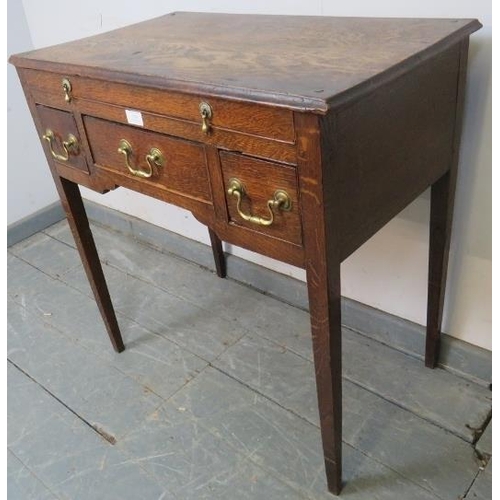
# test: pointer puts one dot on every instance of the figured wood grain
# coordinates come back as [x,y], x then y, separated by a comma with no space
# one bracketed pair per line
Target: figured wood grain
[295,61]
[227,139]
[184,172]
[261,243]
[249,118]
[240,235]
[202,210]
[260,180]
[94,181]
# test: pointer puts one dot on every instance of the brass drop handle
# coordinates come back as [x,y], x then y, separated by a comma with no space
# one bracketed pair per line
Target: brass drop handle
[154,160]
[69,145]
[280,201]
[206,116]
[66,86]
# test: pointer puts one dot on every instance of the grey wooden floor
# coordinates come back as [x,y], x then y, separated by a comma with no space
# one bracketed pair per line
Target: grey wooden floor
[214,397]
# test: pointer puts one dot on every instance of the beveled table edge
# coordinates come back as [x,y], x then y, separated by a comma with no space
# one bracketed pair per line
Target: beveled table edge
[243,94]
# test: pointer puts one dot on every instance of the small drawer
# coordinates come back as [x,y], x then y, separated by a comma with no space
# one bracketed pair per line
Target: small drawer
[152,159]
[61,138]
[261,196]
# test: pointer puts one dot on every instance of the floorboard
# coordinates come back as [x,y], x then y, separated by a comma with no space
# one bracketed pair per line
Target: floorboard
[214,393]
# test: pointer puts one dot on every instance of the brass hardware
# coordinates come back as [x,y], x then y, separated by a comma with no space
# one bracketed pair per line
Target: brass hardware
[154,160]
[71,144]
[206,115]
[66,86]
[280,201]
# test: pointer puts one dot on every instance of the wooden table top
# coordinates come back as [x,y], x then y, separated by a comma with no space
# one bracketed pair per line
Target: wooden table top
[299,62]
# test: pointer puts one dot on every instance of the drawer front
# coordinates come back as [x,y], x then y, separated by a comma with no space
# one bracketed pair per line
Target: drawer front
[60,137]
[152,159]
[221,115]
[261,196]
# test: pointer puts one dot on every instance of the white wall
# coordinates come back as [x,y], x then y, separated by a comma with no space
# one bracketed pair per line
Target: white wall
[29,183]
[389,272]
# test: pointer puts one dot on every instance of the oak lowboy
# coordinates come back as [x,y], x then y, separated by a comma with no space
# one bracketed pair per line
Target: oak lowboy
[299,144]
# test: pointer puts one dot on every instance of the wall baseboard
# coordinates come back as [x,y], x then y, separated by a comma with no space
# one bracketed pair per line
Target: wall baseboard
[33,223]
[457,356]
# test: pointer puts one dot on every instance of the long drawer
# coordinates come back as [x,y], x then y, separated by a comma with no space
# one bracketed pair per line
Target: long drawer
[220,114]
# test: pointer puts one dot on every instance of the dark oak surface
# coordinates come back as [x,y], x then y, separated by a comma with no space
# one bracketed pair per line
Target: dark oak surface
[312,59]
[442,204]
[352,117]
[392,145]
[320,206]
[72,204]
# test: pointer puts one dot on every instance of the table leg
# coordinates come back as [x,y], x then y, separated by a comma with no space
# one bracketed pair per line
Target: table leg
[219,258]
[322,264]
[72,203]
[324,306]
[442,199]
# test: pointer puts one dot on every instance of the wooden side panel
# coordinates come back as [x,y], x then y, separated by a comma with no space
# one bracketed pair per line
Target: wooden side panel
[392,145]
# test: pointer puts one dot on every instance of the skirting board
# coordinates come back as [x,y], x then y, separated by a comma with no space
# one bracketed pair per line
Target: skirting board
[459,357]
[33,223]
